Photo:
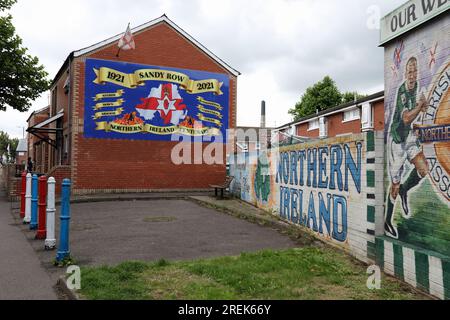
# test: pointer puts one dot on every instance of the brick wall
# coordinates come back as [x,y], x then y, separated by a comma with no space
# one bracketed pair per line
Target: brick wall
[60,173]
[302,130]
[336,126]
[131,165]
[378,115]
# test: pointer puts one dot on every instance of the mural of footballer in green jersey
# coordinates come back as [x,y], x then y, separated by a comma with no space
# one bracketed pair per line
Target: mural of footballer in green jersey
[404,146]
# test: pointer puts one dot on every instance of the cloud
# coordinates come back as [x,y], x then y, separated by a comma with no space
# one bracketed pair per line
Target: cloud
[280,46]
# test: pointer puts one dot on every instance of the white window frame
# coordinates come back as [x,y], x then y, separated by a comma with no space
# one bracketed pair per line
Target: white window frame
[350,115]
[366,117]
[323,129]
[313,125]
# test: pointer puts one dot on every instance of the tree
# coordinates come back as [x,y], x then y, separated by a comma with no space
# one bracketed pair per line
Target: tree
[321,96]
[22,78]
[352,96]
[5,142]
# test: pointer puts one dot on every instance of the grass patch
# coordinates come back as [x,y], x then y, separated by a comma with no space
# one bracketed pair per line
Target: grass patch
[299,274]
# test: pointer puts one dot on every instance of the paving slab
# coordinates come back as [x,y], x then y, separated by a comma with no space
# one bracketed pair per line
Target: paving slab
[149,230]
[22,277]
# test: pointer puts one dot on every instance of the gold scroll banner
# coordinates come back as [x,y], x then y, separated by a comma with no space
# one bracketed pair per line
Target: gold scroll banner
[147,128]
[132,80]
[213,112]
[117,103]
[116,77]
[210,103]
[111,126]
[207,119]
[105,95]
[116,112]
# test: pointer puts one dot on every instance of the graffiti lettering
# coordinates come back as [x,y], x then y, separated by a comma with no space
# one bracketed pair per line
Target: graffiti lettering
[331,219]
[290,164]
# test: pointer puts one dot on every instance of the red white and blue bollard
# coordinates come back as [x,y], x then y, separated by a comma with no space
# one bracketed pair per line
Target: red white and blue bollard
[41,232]
[22,194]
[50,240]
[27,218]
[63,249]
[34,202]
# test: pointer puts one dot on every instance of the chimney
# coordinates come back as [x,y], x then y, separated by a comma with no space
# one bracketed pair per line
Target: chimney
[263,114]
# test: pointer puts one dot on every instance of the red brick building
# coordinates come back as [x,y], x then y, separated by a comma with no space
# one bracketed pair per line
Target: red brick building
[349,118]
[38,142]
[123,165]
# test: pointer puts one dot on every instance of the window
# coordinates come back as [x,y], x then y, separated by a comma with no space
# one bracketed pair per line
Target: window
[313,125]
[351,115]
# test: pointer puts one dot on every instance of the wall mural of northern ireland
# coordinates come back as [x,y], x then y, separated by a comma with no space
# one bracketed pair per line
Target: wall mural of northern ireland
[142,102]
[417,105]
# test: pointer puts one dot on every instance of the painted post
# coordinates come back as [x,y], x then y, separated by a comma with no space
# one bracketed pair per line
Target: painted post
[41,232]
[27,218]
[63,251]
[22,194]
[34,204]
[50,240]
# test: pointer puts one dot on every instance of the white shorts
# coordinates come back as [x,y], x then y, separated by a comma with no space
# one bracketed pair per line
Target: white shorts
[399,153]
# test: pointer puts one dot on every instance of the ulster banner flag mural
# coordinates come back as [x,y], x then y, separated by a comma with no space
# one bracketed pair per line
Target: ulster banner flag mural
[132,101]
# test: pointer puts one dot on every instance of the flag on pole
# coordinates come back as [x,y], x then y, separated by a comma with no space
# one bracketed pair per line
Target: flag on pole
[127,40]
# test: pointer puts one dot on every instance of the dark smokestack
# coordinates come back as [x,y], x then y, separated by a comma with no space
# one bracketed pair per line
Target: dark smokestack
[263,114]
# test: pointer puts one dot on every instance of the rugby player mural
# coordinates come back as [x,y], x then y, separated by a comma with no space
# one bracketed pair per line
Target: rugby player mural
[418,140]
[132,101]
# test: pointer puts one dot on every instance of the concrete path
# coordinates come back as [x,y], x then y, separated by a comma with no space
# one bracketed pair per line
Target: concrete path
[21,275]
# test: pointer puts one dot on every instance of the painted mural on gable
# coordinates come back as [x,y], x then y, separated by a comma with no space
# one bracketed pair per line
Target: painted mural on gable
[132,101]
[417,136]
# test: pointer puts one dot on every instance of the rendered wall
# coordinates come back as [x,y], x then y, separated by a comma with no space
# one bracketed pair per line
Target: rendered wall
[416,246]
[329,186]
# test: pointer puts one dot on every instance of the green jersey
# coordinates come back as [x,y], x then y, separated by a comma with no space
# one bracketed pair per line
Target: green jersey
[406,101]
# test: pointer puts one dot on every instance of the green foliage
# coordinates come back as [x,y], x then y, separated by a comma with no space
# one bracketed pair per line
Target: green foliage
[352,96]
[321,96]
[6,141]
[22,78]
[6,4]
[67,261]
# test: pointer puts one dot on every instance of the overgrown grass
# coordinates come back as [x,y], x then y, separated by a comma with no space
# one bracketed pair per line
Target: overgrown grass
[307,273]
